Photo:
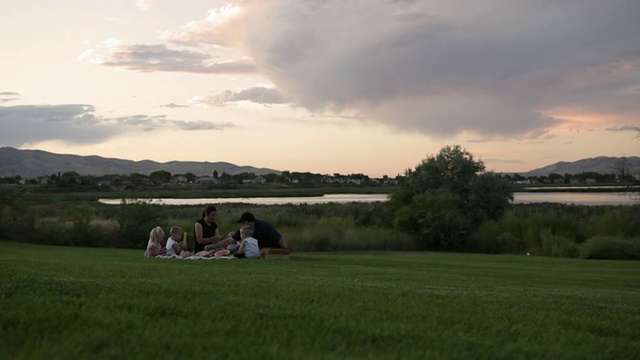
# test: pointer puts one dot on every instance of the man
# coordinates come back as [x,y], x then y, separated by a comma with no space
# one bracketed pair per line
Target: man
[264,231]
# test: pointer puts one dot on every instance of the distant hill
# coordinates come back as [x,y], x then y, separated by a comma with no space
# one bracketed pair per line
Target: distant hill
[33,163]
[601,164]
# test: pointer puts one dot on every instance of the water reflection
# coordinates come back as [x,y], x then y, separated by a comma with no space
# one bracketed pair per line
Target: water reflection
[519,198]
[331,198]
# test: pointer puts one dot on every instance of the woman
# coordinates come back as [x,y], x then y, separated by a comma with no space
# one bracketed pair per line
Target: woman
[207,233]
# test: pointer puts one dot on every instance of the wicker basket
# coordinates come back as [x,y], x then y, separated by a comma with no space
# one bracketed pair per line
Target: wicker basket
[275,254]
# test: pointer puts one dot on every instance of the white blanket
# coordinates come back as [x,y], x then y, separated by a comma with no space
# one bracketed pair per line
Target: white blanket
[195,257]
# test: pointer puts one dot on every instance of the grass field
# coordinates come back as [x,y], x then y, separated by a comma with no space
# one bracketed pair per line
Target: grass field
[61,302]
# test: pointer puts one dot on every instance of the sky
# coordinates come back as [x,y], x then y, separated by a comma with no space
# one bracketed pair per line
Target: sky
[360,86]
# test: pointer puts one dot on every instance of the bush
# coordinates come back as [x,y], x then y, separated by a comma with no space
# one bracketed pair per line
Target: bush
[136,220]
[485,239]
[509,244]
[436,220]
[559,246]
[618,221]
[338,234]
[612,247]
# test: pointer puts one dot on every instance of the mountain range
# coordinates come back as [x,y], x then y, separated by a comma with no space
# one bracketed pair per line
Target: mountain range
[601,164]
[34,163]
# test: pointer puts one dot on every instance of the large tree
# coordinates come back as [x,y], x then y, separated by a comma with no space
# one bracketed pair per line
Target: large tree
[447,196]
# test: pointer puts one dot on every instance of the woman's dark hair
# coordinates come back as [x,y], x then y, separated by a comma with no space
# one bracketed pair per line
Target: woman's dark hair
[208,210]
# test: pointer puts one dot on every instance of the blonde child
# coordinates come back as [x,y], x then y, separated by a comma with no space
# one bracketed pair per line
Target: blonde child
[173,243]
[249,245]
[154,246]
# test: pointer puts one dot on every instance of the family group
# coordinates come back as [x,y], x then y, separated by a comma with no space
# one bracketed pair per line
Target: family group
[248,241]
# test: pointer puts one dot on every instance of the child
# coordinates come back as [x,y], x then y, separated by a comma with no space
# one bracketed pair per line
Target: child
[154,246]
[173,242]
[249,246]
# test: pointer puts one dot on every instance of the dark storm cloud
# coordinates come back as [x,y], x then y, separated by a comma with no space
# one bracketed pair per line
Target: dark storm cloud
[74,123]
[78,123]
[495,68]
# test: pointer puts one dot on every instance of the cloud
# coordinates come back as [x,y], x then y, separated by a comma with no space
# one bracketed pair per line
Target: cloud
[202,125]
[79,124]
[438,67]
[220,27]
[174,105]
[8,96]
[74,123]
[625,128]
[150,58]
[492,68]
[150,123]
[143,4]
[259,95]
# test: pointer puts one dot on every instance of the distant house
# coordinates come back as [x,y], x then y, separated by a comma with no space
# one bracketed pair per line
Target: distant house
[256,180]
[206,180]
[179,179]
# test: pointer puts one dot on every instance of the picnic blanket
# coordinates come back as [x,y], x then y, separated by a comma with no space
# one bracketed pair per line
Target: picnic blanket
[196,257]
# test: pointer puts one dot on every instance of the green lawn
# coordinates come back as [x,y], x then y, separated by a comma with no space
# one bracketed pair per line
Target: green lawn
[58,302]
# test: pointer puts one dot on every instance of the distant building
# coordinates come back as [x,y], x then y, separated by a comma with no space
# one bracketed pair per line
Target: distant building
[206,180]
[179,179]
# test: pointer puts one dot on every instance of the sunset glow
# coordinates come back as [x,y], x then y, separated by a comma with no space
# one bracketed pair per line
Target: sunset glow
[300,86]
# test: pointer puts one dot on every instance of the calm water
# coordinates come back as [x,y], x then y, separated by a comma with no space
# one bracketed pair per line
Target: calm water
[519,198]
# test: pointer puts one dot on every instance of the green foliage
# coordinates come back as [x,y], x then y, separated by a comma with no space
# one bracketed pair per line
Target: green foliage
[554,229]
[624,221]
[612,247]
[343,234]
[453,169]
[432,221]
[484,239]
[558,246]
[510,244]
[435,219]
[136,220]
[489,198]
[447,197]
[160,177]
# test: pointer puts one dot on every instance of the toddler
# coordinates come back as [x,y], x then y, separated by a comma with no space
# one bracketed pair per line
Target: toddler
[173,242]
[249,245]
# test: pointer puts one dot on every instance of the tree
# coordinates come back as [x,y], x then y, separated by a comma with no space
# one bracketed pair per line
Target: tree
[555,177]
[447,196]
[622,169]
[191,177]
[215,174]
[452,168]
[160,177]
[490,196]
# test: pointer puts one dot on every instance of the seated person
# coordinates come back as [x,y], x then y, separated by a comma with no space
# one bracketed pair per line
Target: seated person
[263,231]
[173,242]
[154,246]
[248,246]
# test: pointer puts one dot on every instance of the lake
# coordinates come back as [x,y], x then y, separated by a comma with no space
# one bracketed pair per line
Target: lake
[519,198]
